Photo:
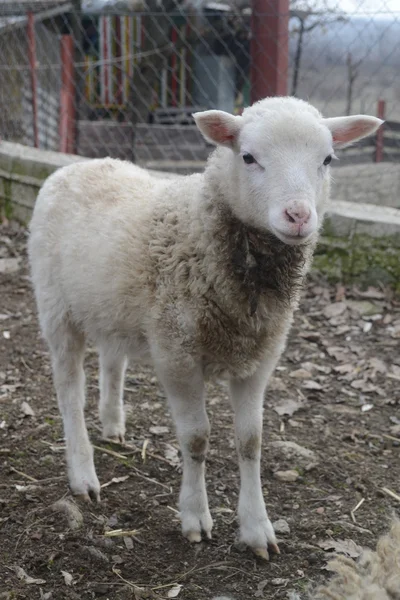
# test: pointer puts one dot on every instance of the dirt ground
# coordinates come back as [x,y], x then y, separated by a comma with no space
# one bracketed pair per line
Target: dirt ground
[336,394]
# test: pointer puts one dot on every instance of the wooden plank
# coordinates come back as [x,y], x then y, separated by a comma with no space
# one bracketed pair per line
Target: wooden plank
[391,142]
[391,156]
[392,126]
[366,143]
[355,159]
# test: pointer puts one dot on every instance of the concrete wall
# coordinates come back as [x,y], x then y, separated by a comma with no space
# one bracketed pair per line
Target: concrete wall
[367,183]
[22,172]
[361,238]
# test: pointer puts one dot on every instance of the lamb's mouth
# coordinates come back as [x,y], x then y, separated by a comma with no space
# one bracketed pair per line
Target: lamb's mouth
[292,240]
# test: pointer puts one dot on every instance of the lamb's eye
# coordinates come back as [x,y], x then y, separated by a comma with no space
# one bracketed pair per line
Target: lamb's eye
[327,160]
[248,158]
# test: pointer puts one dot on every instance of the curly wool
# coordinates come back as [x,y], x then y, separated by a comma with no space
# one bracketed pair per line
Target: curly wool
[374,576]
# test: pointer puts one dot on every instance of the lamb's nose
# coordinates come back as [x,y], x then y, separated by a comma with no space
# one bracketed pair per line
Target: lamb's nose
[299,216]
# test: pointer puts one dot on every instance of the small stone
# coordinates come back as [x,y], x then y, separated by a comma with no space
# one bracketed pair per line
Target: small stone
[363,307]
[72,513]
[320,510]
[288,476]
[128,543]
[9,265]
[281,527]
[293,449]
[335,309]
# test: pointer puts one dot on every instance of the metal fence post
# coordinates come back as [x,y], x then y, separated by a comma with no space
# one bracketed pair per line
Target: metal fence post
[33,73]
[380,132]
[67,99]
[269,48]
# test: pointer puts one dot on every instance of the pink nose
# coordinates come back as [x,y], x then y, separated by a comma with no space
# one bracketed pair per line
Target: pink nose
[299,216]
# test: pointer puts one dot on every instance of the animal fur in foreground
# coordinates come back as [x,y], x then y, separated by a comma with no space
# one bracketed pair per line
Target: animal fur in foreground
[374,576]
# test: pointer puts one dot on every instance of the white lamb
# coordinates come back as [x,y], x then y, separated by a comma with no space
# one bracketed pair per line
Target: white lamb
[198,275]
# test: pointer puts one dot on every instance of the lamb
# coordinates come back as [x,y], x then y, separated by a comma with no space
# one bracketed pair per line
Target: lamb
[374,576]
[198,276]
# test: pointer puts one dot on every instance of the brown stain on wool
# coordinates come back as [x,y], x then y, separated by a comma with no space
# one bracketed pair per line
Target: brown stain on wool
[250,448]
[198,448]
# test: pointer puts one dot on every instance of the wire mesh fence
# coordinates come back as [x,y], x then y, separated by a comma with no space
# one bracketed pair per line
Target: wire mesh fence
[122,79]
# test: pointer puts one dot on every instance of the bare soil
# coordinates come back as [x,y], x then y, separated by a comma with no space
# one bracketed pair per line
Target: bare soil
[341,374]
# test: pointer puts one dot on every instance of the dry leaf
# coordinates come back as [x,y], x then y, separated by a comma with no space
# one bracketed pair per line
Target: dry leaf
[288,407]
[115,480]
[364,386]
[276,384]
[309,366]
[68,579]
[27,410]
[172,455]
[347,547]
[300,374]
[378,365]
[23,576]
[346,368]
[311,385]
[313,336]
[158,429]
[338,353]
[175,590]
[371,292]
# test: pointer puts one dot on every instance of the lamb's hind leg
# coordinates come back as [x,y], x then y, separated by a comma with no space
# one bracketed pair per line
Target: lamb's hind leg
[67,352]
[184,387]
[111,408]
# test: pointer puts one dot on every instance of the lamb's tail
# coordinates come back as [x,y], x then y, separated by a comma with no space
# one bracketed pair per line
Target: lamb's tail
[374,576]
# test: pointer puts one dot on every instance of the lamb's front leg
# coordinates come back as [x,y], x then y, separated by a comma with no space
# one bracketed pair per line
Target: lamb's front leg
[185,392]
[247,398]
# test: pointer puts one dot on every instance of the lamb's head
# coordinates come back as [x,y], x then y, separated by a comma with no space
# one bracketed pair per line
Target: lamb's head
[276,171]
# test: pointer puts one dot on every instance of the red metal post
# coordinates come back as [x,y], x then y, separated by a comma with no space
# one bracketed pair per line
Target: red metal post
[379,134]
[174,78]
[67,98]
[33,72]
[118,56]
[269,48]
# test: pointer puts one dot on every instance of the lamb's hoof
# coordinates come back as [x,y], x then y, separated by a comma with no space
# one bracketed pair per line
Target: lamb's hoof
[263,552]
[89,497]
[114,432]
[83,481]
[115,439]
[196,524]
[194,537]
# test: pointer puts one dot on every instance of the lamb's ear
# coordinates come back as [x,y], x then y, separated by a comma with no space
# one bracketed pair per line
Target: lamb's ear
[346,130]
[218,127]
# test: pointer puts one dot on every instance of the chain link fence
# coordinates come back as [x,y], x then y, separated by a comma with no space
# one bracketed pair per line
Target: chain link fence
[122,78]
